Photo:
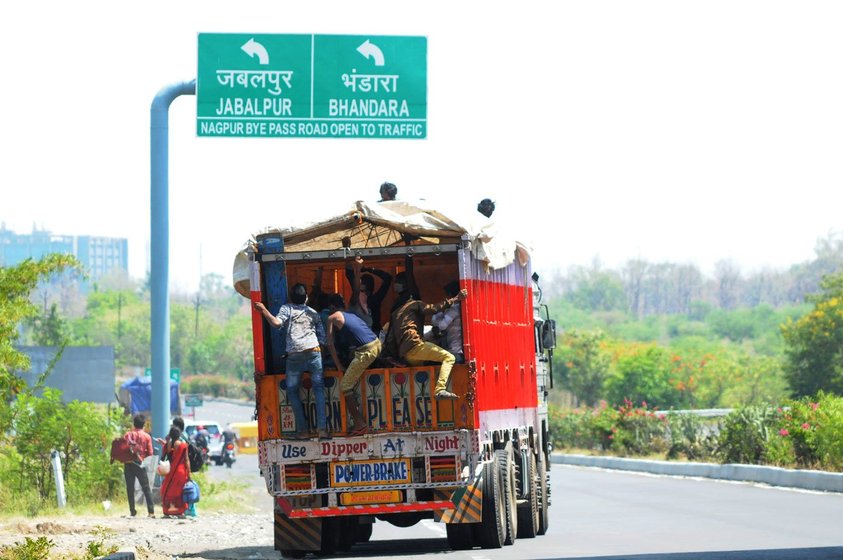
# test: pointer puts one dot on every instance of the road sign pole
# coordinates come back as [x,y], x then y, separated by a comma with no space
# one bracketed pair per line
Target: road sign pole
[159,252]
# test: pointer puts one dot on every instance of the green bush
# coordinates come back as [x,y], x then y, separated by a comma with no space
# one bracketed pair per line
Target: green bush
[29,549]
[691,437]
[624,429]
[218,386]
[744,435]
[804,433]
[80,432]
[809,433]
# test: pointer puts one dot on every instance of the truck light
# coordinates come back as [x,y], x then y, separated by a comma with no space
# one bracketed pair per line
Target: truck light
[297,477]
[443,469]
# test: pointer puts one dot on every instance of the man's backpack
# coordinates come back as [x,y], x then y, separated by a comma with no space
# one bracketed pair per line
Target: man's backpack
[123,450]
[194,457]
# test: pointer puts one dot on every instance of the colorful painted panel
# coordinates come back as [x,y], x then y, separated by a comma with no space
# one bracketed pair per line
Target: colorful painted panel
[307,395]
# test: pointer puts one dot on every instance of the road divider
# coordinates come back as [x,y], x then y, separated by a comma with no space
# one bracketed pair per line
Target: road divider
[774,476]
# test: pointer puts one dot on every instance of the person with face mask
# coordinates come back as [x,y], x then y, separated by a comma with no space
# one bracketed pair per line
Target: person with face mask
[305,335]
[406,328]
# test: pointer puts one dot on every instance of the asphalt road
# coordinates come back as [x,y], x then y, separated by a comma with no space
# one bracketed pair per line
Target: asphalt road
[610,515]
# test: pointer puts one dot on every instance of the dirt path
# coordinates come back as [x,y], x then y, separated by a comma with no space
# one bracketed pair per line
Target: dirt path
[210,536]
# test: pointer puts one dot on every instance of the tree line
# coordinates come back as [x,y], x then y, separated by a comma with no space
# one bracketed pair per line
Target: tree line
[641,288]
[726,341]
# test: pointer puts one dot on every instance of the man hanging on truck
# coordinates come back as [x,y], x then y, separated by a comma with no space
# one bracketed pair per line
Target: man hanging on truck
[365,302]
[366,346]
[405,335]
[305,333]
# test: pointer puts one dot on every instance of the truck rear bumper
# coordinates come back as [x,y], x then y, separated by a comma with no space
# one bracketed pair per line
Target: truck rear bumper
[374,509]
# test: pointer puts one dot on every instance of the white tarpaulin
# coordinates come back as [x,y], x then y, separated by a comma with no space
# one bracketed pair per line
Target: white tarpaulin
[384,224]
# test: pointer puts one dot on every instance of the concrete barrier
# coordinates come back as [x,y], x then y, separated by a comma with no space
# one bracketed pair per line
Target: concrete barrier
[774,476]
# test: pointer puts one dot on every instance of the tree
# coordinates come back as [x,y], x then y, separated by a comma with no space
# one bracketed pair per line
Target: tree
[585,364]
[596,289]
[76,430]
[16,285]
[642,374]
[727,275]
[51,329]
[633,274]
[814,343]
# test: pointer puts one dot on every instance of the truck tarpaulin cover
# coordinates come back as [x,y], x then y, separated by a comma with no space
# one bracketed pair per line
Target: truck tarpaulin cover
[383,224]
[139,391]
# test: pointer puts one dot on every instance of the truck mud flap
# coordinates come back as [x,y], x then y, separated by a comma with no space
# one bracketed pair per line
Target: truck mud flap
[297,534]
[468,502]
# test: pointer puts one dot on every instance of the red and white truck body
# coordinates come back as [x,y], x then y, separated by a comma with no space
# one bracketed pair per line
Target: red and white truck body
[480,463]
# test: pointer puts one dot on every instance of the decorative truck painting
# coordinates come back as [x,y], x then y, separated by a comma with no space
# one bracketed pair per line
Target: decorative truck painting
[479,462]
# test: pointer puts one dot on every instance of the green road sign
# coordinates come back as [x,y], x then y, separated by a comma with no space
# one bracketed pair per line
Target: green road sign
[312,86]
[193,400]
[175,374]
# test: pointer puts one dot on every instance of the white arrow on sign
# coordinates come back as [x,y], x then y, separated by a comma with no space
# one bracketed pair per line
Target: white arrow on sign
[368,49]
[252,48]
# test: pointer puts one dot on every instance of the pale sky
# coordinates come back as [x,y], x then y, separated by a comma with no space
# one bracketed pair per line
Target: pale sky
[662,130]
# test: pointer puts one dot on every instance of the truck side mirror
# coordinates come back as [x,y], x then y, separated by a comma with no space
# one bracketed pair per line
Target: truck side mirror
[548,334]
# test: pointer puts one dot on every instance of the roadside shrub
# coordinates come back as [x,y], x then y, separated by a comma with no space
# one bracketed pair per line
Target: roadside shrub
[625,429]
[569,429]
[804,433]
[744,435]
[810,433]
[691,437]
[29,549]
[639,430]
[218,386]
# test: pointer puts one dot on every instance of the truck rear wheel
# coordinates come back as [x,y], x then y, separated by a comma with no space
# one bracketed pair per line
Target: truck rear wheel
[544,495]
[330,536]
[509,491]
[491,531]
[363,532]
[460,536]
[528,513]
[348,533]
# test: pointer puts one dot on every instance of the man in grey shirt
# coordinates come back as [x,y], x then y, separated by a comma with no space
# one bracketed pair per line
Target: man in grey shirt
[305,334]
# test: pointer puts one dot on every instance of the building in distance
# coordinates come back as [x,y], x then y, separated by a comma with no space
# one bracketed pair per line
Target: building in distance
[100,256]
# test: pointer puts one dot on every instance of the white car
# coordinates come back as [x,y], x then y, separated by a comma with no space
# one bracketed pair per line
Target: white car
[214,442]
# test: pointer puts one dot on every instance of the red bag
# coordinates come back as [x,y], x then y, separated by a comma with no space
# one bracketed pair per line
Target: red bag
[123,450]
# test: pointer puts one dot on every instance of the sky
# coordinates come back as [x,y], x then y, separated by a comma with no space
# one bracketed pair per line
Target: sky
[688,132]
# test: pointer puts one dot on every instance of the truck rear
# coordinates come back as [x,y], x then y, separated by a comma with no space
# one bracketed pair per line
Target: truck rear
[480,463]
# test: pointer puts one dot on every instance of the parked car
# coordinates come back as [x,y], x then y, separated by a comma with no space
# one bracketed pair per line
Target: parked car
[214,442]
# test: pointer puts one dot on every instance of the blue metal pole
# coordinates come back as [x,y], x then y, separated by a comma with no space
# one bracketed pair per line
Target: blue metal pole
[160,251]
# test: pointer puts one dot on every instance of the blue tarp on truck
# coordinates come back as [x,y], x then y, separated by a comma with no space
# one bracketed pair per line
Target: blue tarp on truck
[136,395]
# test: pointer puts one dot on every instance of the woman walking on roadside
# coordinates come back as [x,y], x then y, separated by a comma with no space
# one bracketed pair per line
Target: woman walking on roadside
[175,450]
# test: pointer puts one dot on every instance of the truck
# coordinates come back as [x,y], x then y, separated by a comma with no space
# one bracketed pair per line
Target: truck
[479,463]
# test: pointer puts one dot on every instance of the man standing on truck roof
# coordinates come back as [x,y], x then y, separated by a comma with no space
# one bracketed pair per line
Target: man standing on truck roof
[486,207]
[305,333]
[366,346]
[406,328]
[388,192]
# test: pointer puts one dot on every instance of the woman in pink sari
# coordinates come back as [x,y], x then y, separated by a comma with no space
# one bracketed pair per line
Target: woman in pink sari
[175,450]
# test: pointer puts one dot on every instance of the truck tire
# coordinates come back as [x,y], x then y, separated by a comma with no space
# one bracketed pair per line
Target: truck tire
[459,536]
[330,536]
[528,512]
[348,533]
[544,495]
[491,531]
[509,491]
[363,532]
